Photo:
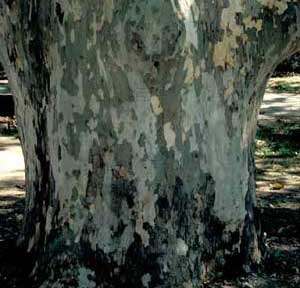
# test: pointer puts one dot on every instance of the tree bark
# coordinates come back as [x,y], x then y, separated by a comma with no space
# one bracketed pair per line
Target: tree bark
[137,121]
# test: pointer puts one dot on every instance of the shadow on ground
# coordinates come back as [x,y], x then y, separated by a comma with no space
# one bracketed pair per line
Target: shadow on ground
[14,267]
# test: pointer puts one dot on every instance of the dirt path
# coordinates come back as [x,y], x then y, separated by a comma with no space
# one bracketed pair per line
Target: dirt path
[12,181]
[11,163]
[12,194]
[280,106]
[278,186]
[278,151]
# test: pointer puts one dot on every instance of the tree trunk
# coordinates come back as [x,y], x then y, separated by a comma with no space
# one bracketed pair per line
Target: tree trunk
[137,121]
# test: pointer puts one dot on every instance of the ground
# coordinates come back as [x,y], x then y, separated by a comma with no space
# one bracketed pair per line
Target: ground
[278,194]
[12,182]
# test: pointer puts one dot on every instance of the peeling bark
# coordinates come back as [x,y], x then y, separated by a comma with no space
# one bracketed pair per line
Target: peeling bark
[137,121]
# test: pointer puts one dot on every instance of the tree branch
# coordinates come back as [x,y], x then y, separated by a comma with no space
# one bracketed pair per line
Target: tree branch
[281,30]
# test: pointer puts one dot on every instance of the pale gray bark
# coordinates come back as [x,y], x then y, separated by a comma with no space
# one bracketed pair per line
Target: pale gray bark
[137,121]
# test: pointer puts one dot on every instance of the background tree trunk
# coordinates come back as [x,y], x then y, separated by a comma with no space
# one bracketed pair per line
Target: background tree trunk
[137,121]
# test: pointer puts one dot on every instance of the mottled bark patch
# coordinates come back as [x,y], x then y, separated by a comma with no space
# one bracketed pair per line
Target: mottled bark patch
[136,122]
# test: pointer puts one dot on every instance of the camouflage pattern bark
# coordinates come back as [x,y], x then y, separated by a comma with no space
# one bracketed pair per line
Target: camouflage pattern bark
[137,120]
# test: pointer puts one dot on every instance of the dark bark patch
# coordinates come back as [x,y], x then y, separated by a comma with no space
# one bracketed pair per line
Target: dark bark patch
[108,274]
[59,153]
[140,261]
[122,188]
[35,39]
[142,140]
[130,200]
[215,245]
[163,207]
[76,173]
[57,259]
[44,187]
[96,175]
[118,233]
[10,3]
[183,206]
[12,54]
[213,233]
[137,43]
[179,183]
[156,64]
[59,13]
